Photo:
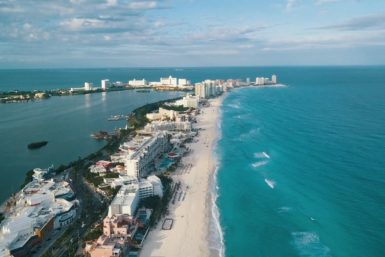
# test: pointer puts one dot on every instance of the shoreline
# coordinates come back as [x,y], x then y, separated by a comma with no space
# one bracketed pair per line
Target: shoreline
[216,242]
[33,96]
[193,214]
[107,147]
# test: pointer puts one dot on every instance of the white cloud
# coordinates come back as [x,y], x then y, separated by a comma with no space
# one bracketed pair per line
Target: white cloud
[142,5]
[320,2]
[112,2]
[290,4]
[82,23]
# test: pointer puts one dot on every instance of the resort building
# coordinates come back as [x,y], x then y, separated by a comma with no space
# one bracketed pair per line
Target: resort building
[260,81]
[137,83]
[88,86]
[170,81]
[208,88]
[115,241]
[156,126]
[141,152]
[274,79]
[129,195]
[183,82]
[105,83]
[157,187]
[163,114]
[41,207]
[125,202]
[123,180]
[188,101]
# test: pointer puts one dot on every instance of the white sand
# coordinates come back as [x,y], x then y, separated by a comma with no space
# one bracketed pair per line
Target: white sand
[189,234]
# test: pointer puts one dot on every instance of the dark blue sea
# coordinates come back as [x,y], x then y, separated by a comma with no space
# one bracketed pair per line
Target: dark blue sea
[301,167]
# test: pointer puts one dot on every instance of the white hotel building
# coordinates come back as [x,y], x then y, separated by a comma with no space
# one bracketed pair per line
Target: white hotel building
[137,83]
[141,152]
[208,88]
[189,101]
[105,83]
[127,199]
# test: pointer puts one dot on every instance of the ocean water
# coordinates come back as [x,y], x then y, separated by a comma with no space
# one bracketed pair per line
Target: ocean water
[302,167]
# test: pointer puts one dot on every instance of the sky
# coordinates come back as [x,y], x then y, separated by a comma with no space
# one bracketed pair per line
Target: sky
[189,33]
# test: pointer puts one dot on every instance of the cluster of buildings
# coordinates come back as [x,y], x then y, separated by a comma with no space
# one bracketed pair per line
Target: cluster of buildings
[204,89]
[124,221]
[154,147]
[261,81]
[163,82]
[122,233]
[168,82]
[88,86]
[41,207]
[209,88]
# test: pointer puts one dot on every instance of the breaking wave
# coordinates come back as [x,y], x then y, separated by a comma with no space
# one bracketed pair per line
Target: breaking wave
[259,164]
[270,183]
[309,244]
[262,155]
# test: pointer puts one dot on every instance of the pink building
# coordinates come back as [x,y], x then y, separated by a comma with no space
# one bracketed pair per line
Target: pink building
[116,237]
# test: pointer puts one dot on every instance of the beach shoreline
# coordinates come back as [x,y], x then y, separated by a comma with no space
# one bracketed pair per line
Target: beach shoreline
[192,210]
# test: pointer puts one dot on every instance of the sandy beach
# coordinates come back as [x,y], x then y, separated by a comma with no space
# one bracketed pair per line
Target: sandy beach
[191,209]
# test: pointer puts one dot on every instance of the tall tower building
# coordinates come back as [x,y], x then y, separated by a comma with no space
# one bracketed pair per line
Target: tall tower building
[274,79]
[105,83]
[87,86]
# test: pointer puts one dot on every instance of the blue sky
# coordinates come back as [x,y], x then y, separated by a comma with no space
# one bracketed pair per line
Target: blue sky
[149,33]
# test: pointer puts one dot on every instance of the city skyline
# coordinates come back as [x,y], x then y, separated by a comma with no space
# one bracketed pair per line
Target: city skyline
[165,33]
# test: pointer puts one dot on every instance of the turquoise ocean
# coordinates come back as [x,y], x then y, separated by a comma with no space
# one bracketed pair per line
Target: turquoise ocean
[301,168]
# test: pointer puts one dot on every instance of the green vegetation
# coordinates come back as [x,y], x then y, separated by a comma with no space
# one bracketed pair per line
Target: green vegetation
[138,119]
[1,217]
[28,178]
[111,175]
[178,108]
[93,178]
[94,233]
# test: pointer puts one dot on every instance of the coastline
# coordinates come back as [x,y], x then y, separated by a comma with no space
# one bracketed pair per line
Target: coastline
[39,95]
[192,214]
[109,146]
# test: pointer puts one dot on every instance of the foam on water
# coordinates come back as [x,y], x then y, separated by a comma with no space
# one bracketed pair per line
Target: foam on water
[270,183]
[216,237]
[309,244]
[248,135]
[262,155]
[284,209]
[259,164]
[216,241]
[235,105]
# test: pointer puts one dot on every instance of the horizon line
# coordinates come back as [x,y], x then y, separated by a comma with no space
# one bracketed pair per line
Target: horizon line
[198,67]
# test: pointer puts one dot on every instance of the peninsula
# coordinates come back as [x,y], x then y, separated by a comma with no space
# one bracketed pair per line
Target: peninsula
[165,84]
[148,188]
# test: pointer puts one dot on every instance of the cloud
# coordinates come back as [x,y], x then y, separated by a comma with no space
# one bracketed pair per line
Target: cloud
[156,30]
[359,23]
[290,4]
[321,2]
[143,5]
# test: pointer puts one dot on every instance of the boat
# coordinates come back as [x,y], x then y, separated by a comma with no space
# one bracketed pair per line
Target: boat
[37,145]
[100,135]
[116,117]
